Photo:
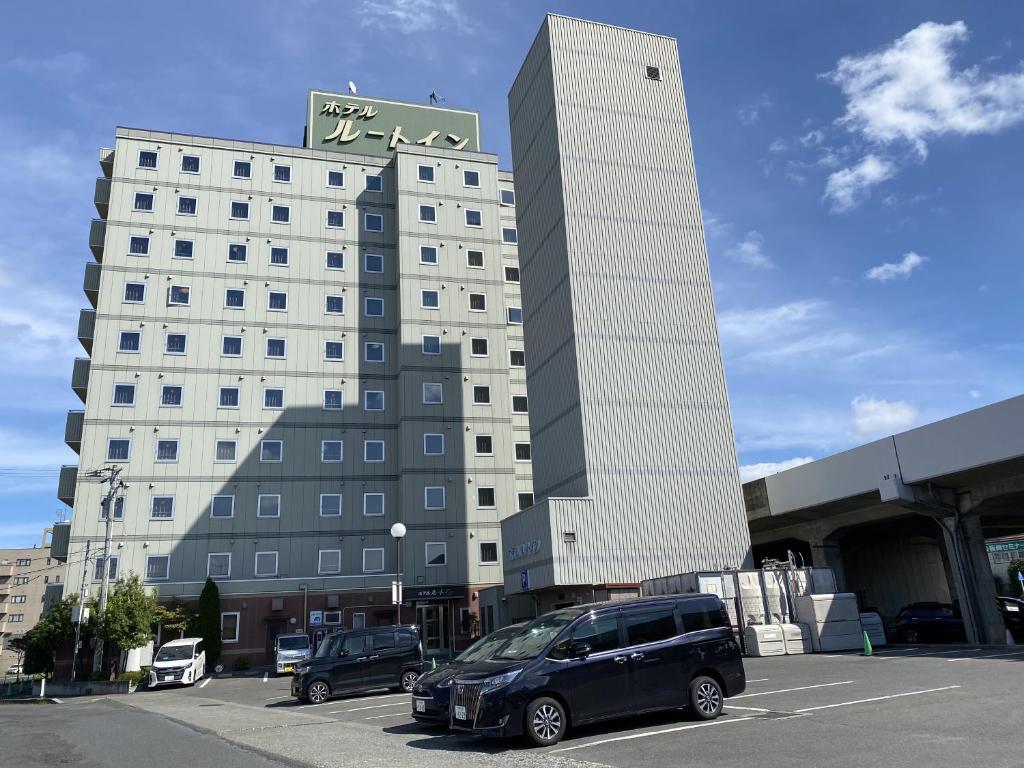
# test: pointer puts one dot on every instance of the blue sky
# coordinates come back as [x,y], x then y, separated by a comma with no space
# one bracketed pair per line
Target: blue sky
[858,162]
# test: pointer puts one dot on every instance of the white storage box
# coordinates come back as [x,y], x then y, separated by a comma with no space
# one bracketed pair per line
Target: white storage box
[797,638]
[872,624]
[817,609]
[764,640]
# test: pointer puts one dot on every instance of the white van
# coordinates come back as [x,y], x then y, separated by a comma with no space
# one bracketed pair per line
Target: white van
[179,661]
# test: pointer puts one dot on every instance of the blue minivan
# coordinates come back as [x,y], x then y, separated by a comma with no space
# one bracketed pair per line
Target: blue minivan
[596,662]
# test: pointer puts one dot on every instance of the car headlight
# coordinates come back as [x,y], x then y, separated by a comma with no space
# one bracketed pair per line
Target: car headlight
[302,670]
[499,681]
[446,683]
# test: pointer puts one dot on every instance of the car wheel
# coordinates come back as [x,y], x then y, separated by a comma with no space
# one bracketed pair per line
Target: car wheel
[706,698]
[911,636]
[409,678]
[545,722]
[318,692]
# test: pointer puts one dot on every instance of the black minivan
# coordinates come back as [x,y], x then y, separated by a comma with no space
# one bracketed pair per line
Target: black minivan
[360,660]
[594,662]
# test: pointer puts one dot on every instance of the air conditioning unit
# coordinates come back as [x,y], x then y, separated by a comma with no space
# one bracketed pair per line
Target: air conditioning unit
[332,617]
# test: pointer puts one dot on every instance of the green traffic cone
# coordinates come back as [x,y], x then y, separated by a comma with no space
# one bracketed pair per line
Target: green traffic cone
[433,662]
[868,650]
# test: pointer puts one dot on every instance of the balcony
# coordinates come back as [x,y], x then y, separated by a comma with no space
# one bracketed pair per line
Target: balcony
[60,541]
[80,377]
[66,484]
[101,197]
[86,328]
[73,430]
[6,571]
[91,283]
[97,236]
[107,162]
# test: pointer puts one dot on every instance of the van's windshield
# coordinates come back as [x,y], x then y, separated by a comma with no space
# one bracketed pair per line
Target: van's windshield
[174,653]
[532,639]
[329,647]
[293,643]
[483,648]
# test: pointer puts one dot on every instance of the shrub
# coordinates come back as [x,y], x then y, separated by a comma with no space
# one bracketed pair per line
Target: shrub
[134,677]
[242,664]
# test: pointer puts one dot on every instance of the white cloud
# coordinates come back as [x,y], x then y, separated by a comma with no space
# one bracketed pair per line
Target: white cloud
[975,394]
[752,113]
[910,90]
[849,187]
[66,65]
[413,16]
[750,251]
[876,418]
[778,146]
[812,138]
[902,269]
[750,472]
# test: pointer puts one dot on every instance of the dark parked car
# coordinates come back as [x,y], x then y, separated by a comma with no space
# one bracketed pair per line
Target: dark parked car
[1012,610]
[430,696]
[595,662]
[930,623]
[360,660]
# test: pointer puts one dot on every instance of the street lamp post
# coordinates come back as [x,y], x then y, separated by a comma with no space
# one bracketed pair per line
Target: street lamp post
[397,532]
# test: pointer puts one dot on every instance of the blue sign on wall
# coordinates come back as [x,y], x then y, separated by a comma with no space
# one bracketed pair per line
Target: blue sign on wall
[524,579]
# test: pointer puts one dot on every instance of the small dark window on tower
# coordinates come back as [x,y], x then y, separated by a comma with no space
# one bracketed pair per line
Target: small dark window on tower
[653,73]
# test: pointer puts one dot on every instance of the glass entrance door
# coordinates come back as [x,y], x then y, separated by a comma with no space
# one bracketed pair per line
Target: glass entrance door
[431,621]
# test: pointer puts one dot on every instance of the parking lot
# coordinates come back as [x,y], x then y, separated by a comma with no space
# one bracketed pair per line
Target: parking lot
[904,706]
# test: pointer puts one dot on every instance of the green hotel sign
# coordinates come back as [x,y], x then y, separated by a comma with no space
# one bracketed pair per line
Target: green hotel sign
[347,123]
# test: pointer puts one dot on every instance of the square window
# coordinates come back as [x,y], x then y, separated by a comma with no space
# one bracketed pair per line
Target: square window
[277,301]
[218,565]
[336,179]
[280,214]
[238,252]
[335,219]
[522,451]
[143,201]
[477,302]
[129,341]
[187,206]
[175,343]
[266,564]
[436,553]
[124,395]
[279,256]
[428,254]
[158,567]
[225,451]
[474,218]
[433,444]
[111,571]
[273,398]
[335,260]
[231,346]
[331,451]
[242,169]
[239,210]
[520,404]
[485,498]
[481,395]
[433,394]
[428,214]
[161,508]
[268,505]
[179,296]
[475,259]
[271,451]
[433,497]
[234,298]
[373,306]
[514,315]
[488,552]
[517,358]
[334,350]
[170,395]
[334,400]
[373,504]
[373,561]
[373,400]
[373,263]
[330,561]
[147,158]
[222,506]
[276,348]
[653,73]
[478,347]
[334,305]
[138,245]
[509,236]
[134,293]
[373,451]
[229,626]
[471,179]
[330,504]
[484,445]
[282,173]
[374,183]
[430,299]
[118,515]
[525,501]
[373,222]
[228,397]
[167,450]
[183,249]
[190,163]
[431,345]
[511,274]
[508,197]
[425,173]
[373,352]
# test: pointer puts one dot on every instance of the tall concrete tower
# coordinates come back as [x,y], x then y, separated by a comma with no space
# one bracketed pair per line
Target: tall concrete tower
[634,462]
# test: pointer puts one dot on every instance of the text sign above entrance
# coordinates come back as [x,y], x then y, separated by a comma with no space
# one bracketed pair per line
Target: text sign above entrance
[347,123]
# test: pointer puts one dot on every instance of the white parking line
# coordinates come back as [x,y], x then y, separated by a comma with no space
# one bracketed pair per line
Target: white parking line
[57,701]
[360,709]
[393,714]
[653,733]
[875,698]
[790,690]
[265,676]
[378,697]
[205,682]
[759,680]
[944,652]
[277,698]
[752,709]
[999,655]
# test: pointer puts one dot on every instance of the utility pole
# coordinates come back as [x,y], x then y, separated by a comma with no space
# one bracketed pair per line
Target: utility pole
[111,475]
[81,610]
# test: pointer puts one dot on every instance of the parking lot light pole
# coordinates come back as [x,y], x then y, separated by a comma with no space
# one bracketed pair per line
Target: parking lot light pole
[397,532]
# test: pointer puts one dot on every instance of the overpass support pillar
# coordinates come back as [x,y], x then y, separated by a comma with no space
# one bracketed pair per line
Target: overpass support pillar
[972,578]
[826,553]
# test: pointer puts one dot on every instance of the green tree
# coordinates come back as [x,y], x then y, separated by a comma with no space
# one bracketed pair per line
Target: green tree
[208,623]
[1017,566]
[40,644]
[176,616]
[127,622]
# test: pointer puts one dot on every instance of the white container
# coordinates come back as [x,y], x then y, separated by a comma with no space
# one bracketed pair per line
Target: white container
[797,638]
[817,609]
[764,640]
[872,624]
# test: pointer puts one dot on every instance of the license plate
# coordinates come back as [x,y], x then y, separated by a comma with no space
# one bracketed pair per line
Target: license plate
[168,677]
[289,669]
[460,713]
[421,706]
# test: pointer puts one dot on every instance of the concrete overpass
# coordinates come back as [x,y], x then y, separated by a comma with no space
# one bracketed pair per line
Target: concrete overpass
[905,518]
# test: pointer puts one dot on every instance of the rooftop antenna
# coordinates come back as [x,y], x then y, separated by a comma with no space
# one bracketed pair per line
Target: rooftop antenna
[434,98]
[352,87]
